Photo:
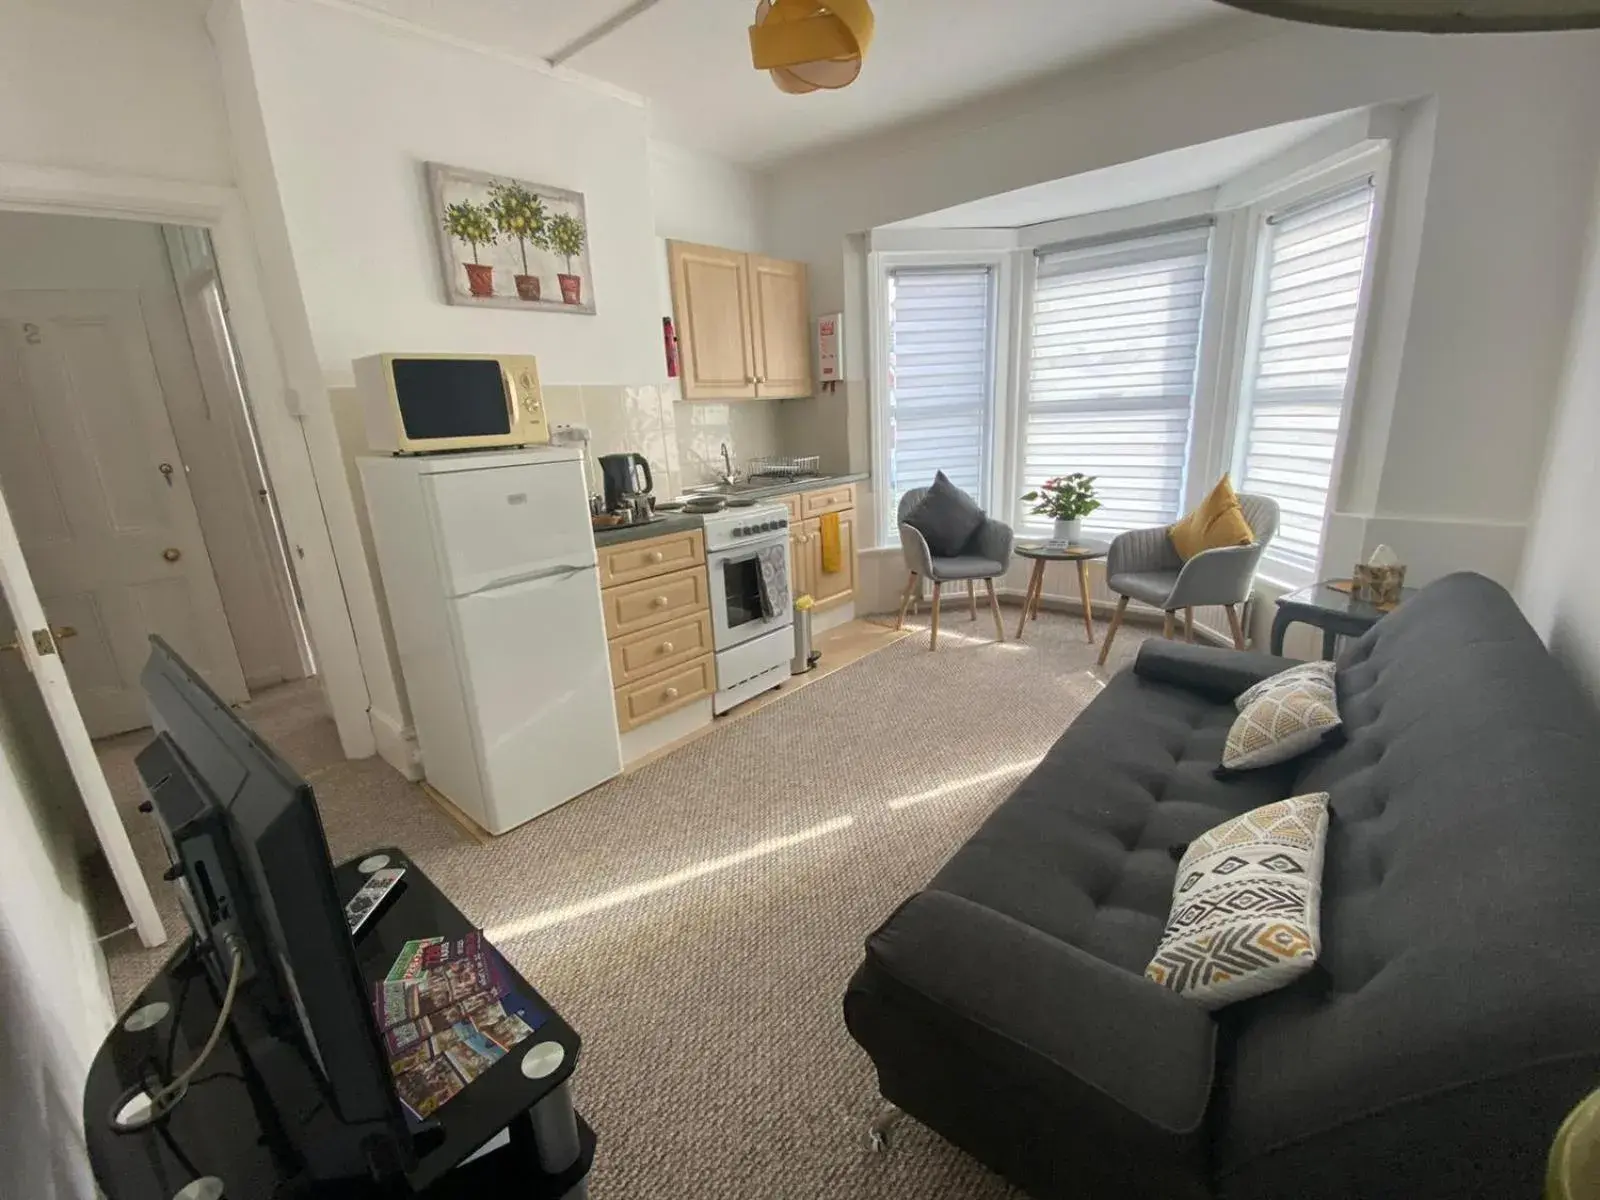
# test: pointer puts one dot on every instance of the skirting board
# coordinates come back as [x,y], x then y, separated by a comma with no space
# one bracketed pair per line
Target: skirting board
[397,744]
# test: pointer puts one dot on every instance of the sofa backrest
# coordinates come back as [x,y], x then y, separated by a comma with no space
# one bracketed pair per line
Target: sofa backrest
[1460,968]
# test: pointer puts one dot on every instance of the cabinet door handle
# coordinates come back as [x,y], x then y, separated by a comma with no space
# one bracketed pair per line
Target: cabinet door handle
[656,556]
[670,694]
[666,647]
[659,602]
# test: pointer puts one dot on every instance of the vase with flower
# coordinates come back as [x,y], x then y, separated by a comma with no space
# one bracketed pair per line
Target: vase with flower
[1066,499]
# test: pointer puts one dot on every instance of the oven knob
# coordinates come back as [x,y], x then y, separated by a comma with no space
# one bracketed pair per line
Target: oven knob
[783,522]
[765,525]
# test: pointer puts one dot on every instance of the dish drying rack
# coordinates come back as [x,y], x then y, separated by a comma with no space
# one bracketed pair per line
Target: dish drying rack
[783,467]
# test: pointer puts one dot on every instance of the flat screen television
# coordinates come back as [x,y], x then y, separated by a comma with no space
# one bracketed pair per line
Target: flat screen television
[251,860]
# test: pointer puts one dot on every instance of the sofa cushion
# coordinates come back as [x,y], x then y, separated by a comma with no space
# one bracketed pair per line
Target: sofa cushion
[946,518]
[1283,718]
[1244,907]
[1083,848]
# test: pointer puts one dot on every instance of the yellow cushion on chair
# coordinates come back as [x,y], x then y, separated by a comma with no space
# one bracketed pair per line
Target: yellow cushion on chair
[1217,521]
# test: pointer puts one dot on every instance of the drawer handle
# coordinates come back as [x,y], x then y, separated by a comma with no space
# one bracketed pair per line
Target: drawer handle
[666,647]
[659,602]
[656,556]
[670,694]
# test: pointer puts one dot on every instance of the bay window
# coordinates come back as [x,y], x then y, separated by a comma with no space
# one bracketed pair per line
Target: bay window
[1113,349]
[1304,321]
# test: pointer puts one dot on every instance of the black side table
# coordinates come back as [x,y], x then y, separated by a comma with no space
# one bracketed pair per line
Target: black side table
[1331,610]
[227,1128]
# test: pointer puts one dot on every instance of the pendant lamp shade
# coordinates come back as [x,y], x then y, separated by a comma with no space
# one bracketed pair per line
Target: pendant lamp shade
[806,44]
[1435,16]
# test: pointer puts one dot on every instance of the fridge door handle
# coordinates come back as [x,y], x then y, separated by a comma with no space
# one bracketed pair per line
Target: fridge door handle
[561,571]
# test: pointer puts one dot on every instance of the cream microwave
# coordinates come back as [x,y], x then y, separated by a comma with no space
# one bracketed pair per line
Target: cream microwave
[424,403]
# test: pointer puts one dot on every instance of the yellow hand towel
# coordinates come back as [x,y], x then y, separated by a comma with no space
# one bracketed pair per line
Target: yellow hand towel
[832,552]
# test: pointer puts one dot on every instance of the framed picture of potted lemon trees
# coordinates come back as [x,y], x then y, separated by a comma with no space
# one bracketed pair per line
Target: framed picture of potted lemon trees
[509,243]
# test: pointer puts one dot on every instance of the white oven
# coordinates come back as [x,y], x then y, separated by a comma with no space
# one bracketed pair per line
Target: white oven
[752,600]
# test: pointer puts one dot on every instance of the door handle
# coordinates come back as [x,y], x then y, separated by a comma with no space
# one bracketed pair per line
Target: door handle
[172,554]
[166,471]
[60,633]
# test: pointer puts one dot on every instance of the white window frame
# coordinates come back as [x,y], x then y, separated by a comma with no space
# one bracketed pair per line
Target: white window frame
[1373,163]
[1002,266]
[1202,399]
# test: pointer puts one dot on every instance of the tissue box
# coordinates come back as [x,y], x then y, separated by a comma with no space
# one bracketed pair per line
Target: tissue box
[1378,585]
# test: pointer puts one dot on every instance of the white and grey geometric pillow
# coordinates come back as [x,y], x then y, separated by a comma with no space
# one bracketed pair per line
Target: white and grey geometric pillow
[1316,673]
[1246,905]
[1283,717]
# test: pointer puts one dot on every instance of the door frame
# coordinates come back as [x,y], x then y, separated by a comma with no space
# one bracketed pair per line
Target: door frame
[221,210]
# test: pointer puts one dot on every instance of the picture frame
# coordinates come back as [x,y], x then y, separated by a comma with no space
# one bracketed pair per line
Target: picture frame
[505,242]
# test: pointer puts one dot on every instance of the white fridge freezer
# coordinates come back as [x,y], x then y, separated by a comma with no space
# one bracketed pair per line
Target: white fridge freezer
[490,573]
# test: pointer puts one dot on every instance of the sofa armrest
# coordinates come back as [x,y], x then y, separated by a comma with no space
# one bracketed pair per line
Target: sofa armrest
[1140,1045]
[1209,670]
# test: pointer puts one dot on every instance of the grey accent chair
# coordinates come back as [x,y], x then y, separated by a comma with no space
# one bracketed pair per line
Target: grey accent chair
[1142,565]
[986,556]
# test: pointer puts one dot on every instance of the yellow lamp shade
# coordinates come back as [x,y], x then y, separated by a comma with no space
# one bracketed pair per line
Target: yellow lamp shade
[806,45]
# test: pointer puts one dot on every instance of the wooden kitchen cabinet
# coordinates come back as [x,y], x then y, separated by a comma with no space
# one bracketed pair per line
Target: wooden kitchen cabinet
[805,546]
[828,591]
[743,324]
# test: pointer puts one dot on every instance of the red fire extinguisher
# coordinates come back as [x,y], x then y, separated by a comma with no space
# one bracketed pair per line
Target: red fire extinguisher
[670,338]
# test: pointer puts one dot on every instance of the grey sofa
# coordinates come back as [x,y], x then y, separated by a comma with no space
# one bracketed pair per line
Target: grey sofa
[1452,1021]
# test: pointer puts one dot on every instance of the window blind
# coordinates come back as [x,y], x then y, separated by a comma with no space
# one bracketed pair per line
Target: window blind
[941,380]
[1111,373]
[1305,311]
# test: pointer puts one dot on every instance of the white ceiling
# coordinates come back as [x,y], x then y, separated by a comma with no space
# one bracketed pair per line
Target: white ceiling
[1175,173]
[691,58]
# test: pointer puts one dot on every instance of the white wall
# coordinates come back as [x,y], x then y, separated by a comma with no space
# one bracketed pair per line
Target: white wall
[1560,589]
[53,990]
[698,198]
[353,107]
[104,85]
[1507,151]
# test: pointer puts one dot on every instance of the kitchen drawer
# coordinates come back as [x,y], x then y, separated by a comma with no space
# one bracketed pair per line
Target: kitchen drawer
[665,692]
[793,505]
[834,499]
[640,654]
[651,557]
[631,607]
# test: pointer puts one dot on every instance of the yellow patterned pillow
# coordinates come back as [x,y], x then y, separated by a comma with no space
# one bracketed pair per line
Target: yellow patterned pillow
[1283,717]
[1217,521]
[1246,904]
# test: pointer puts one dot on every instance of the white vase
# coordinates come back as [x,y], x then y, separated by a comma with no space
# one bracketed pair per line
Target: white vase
[1069,531]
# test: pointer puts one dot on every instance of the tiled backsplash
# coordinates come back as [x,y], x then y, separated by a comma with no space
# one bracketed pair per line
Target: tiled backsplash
[682,440]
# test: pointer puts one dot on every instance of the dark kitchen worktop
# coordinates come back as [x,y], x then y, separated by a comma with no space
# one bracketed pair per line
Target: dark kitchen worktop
[669,522]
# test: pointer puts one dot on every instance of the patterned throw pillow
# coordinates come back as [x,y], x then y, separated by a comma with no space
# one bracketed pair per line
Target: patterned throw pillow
[1246,905]
[1282,717]
[1319,672]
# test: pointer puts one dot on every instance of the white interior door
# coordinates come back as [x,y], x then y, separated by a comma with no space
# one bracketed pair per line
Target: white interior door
[101,501]
[38,648]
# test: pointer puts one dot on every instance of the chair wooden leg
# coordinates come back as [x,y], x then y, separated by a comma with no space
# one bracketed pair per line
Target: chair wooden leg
[905,600]
[994,607]
[1111,630]
[1233,624]
[933,636]
[1166,624]
[1188,625]
[972,598]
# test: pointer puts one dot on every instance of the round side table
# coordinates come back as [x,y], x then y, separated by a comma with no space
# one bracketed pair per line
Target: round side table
[1047,552]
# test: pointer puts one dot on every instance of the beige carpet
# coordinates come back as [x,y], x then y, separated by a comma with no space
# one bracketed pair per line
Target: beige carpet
[697,921]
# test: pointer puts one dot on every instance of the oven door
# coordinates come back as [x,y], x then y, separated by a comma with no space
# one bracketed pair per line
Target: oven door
[736,615]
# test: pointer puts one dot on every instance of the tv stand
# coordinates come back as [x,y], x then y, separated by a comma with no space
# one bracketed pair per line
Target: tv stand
[231,1126]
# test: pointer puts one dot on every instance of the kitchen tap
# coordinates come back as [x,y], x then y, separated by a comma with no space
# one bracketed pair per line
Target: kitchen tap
[729,476]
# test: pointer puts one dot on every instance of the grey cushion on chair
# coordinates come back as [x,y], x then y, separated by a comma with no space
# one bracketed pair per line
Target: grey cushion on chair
[967,566]
[946,517]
